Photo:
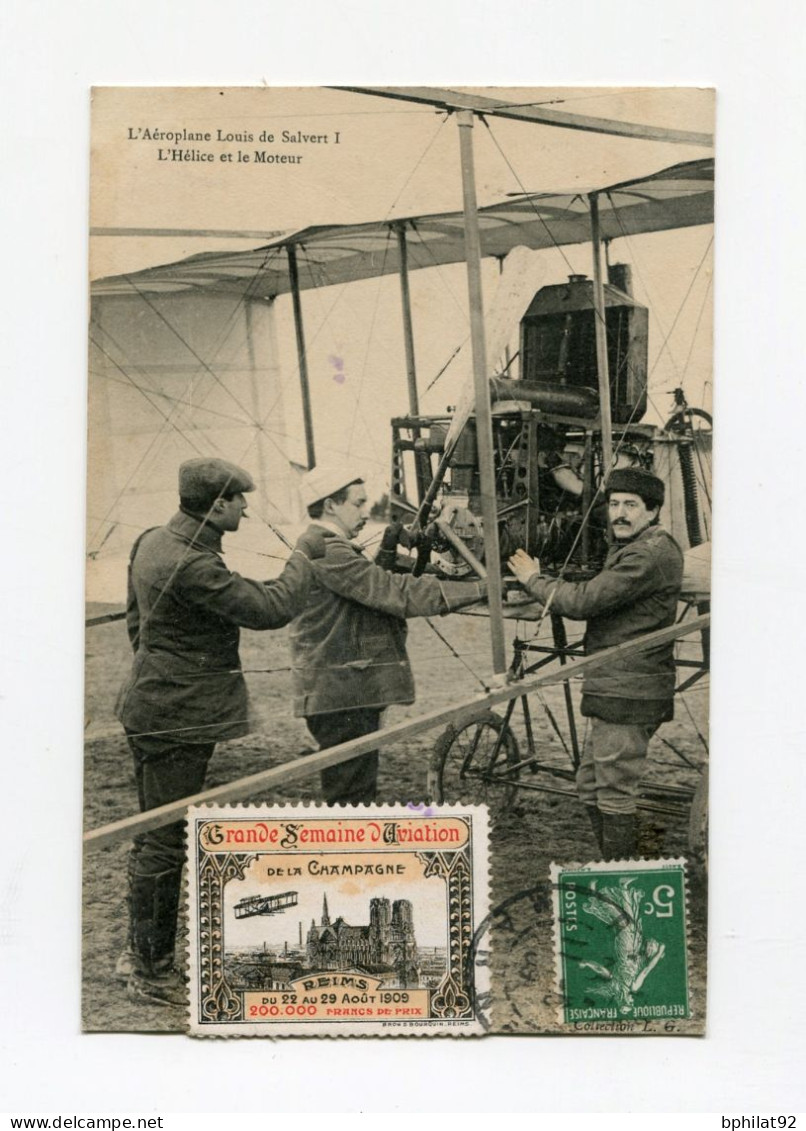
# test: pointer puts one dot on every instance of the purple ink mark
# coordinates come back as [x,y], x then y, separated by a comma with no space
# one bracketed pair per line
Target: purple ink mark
[420,807]
[338,364]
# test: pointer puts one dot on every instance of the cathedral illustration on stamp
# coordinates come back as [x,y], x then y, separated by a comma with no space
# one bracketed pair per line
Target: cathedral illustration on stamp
[361,921]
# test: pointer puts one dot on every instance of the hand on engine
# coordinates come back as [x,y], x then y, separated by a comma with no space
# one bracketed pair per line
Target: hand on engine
[523,566]
[407,539]
[391,536]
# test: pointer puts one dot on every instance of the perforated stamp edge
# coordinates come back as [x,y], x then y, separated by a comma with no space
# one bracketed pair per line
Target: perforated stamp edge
[624,1025]
[216,1009]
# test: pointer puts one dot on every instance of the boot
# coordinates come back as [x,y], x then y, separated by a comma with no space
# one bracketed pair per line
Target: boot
[619,836]
[154,906]
[162,985]
[597,820]
[650,838]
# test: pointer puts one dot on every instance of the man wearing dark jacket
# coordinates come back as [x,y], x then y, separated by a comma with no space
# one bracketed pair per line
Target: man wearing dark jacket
[635,593]
[185,691]
[348,644]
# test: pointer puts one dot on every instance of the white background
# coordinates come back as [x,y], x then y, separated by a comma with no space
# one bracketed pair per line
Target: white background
[752,1059]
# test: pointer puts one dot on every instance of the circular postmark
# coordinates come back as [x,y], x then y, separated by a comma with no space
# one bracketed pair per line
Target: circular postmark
[512,947]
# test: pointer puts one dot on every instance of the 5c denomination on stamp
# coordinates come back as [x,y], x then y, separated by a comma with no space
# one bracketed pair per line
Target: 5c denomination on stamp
[620,944]
[349,921]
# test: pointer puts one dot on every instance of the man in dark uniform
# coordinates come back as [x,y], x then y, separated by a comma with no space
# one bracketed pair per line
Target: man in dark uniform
[636,593]
[348,644]
[186,692]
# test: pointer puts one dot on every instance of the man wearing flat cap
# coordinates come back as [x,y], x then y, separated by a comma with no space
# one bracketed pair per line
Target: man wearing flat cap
[185,691]
[348,644]
[636,593]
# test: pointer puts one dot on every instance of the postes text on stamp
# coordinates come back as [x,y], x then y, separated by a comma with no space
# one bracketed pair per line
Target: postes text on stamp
[348,921]
[620,944]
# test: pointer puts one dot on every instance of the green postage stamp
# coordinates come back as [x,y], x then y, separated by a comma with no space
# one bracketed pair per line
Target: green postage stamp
[620,939]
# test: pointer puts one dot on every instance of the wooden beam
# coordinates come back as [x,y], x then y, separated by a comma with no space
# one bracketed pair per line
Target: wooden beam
[422,462]
[481,384]
[196,233]
[479,104]
[408,329]
[462,548]
[104,618]
[459,714]
[302,356]
[600,324]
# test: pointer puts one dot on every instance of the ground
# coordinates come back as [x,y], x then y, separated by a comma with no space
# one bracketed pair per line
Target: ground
[526,837]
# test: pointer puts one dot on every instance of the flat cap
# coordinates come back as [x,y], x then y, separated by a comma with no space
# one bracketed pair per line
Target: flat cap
[637,481]
[325,480]
[204,480]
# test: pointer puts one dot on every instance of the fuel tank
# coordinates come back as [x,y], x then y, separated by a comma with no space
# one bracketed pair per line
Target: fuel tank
[558,348]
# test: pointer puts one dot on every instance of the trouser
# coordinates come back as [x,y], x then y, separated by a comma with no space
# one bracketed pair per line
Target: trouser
[612,765]
[156,857]
[354,782]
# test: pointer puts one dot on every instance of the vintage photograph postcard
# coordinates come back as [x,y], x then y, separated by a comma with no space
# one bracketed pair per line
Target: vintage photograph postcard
[398,526]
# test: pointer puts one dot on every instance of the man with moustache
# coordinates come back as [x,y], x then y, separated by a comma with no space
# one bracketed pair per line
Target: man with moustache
[626,701]
[348,644]
[185,691]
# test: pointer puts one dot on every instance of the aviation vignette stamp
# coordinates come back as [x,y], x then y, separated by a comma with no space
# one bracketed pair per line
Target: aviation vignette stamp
[620,944]
[306,920]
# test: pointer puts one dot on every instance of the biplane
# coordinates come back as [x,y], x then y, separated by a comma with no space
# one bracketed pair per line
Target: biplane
[520,461]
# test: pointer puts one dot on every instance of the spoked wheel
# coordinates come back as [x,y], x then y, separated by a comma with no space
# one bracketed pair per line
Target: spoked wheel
[694,425]
[476,764]
[691,422]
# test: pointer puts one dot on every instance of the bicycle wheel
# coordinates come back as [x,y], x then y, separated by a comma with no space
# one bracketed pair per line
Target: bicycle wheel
[691,421]
[476,764]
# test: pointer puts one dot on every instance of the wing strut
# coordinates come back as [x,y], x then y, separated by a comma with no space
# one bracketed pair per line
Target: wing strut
[293,274]
[484,426]
[421,464]
[599,315]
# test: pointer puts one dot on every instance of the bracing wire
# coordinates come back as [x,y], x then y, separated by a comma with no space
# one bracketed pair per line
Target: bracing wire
[142,529]
[174,425]
[168,423]
[457,655]
[324,321]
[446,366]
[418,163]
[429,251]
[703,306]
[667,335]
[528,196]
[181,402]
[181,338]
[143,393]
[160,434]
[370,333]
[207,368]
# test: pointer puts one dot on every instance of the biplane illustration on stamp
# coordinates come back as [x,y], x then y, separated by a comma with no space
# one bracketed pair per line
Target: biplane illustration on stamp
[345,922]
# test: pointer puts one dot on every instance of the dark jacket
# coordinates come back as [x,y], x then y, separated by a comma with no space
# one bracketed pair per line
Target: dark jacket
[185,609]
[348,645]
[636,592]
